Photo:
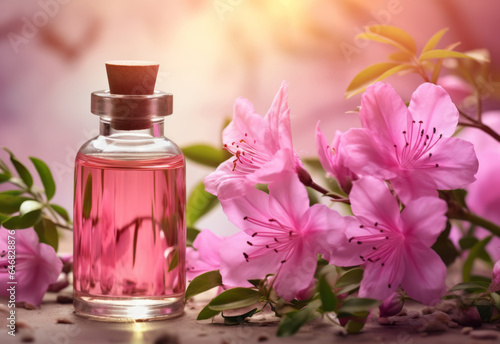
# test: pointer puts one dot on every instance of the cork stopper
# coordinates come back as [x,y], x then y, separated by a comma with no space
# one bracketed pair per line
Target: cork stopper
[132,77]
[131,102]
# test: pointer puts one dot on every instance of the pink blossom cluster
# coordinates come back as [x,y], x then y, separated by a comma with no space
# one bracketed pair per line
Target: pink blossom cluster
[390,169]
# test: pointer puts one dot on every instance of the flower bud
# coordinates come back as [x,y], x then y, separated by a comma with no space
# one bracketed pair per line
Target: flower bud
[392,305]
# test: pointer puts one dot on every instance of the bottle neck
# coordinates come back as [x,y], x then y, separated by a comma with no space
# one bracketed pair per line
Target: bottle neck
[154,129]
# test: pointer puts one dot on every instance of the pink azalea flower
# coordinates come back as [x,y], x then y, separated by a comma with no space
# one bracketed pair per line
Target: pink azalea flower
[495,282]
[36,265]
[333,160]
[281,235]
[261,147]
[204,256]
[411,147]
[395,247]
[483,197]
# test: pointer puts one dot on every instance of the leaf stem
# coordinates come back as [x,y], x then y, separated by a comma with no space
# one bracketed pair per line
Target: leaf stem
[477,220]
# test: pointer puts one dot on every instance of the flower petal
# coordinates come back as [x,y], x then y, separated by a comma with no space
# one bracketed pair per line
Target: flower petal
[347,253]
[413,185]
[246,121]
[254,203]
[296,273]
[207,244]
[281,162]
[325,230]
[424,219]
[235,270]
[226,183]
[432,105]
[425,274]
[278,118]
[364,156]
[372,201]
[380,281]
[456,161]
[325,152]
[288,201]
[384,113]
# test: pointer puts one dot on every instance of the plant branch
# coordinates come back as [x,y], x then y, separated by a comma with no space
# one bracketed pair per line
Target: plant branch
[479,221]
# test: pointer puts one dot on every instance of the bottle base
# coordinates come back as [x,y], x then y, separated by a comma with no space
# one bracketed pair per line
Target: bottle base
[116,309]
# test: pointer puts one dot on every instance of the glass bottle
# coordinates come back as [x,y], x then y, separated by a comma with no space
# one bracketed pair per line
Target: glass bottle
[129,213]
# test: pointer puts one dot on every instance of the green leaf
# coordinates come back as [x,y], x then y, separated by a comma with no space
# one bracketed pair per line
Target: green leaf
[356,325]
[45,176]
[372,74]
[47,233]
[4,178]
[434,40]
[467,242]
[29,206]
[328,298]
[175,260]
[60,211]
[5,168]
[203,282]
[207,313]
[235,298]
[358,305]
[3,217]
[199,203]
[471,287]
[10,203]
[21,222]
[392,35]
[444,247]
[292,321]
[191,234]
[21,169]
[350,280]
[443,54]
[205,154]
[473,254]
[238,319]
[12,192]
[87,198]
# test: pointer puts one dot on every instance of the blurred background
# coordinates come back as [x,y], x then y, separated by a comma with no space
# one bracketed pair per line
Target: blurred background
[52,55]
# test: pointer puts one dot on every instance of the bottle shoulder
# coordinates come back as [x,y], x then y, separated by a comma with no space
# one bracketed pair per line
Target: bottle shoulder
[130,147]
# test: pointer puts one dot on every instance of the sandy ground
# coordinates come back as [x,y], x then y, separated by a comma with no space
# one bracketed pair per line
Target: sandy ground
[41,326]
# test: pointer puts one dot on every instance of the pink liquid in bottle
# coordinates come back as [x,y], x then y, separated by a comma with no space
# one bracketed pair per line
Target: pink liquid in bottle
[129,234]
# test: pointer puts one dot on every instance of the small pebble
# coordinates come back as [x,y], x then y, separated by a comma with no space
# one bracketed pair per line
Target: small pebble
[441,316]
[446,307]
[484,334]
[404,311]
[428,310]
[466,330]
[384,321]
[167,339]
[29,306]
[399,320]
[4,309]
[262,339]
[64,321]
[340,331]
[64,299]
[413,314]
[22,324]
[27,338]
[452,324]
